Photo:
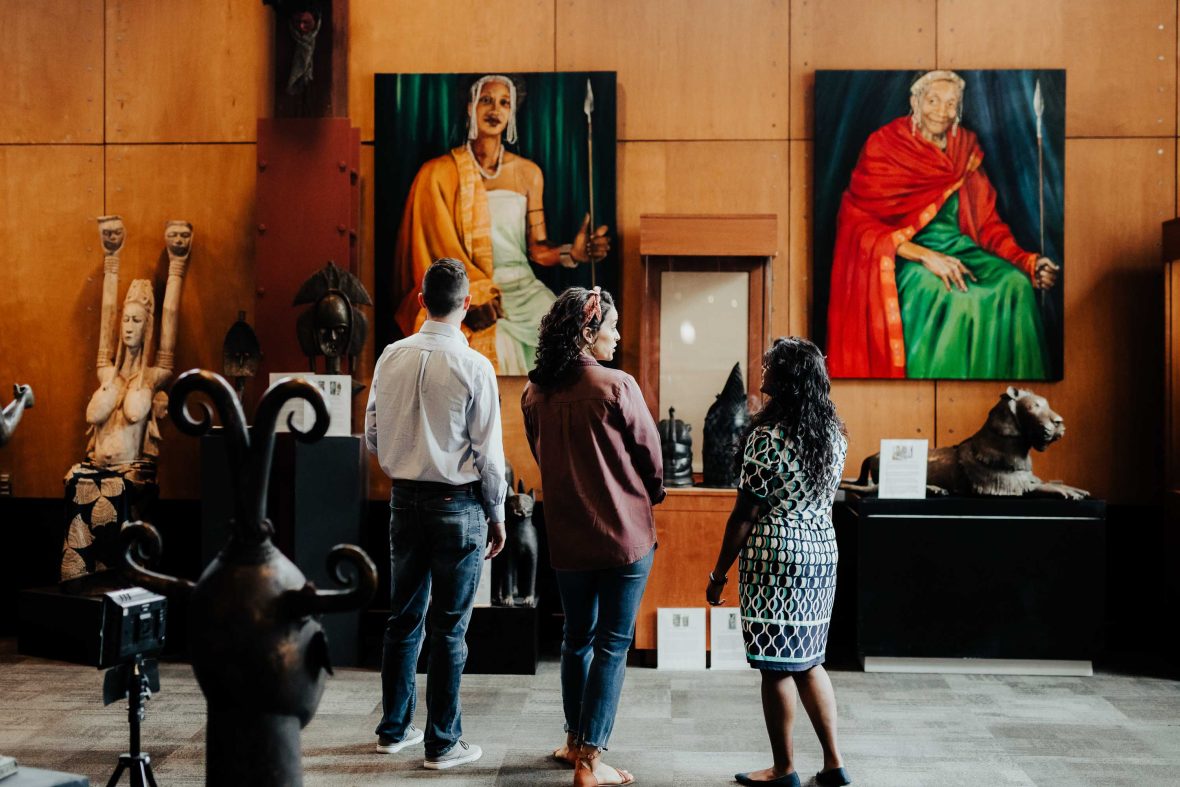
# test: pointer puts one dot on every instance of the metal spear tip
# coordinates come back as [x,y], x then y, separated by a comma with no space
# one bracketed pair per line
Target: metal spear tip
[588,106]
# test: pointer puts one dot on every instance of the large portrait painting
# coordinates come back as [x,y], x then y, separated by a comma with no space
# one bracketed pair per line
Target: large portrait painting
[938,230]
[511,174]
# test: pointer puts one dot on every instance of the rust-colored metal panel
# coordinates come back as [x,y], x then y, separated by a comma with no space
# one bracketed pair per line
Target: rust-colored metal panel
[307,214]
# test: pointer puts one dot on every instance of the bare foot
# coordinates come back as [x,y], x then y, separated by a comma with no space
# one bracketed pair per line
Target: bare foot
[605,774]
[566,753]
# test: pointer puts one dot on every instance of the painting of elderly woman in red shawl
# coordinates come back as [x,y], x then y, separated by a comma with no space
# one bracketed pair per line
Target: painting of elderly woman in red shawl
[927,279]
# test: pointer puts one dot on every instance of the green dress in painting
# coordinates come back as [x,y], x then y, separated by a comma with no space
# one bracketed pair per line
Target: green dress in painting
[991,331]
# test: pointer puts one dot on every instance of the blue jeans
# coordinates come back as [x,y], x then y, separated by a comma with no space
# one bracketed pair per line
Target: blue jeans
[437,538]
[600,611]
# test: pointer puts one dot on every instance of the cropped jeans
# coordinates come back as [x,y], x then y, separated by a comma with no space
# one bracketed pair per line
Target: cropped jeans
[437,536]
[600,611]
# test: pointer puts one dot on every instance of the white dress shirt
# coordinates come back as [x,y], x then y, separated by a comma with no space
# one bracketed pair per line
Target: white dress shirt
[434,414]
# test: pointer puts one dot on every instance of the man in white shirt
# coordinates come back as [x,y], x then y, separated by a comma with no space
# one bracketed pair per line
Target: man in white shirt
[433,420]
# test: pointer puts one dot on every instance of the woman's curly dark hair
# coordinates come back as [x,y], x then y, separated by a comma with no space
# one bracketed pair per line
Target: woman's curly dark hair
[559,339]
[796,381]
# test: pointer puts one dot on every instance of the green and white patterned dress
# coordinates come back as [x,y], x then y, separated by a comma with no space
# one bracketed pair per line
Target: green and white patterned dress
[788,566]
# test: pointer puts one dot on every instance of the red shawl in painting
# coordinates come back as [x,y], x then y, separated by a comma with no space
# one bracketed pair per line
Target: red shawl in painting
[899,184]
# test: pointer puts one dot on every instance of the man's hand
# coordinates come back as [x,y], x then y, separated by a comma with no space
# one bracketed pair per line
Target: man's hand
[1045,274]
[950,269]
[496,538]
[484,316]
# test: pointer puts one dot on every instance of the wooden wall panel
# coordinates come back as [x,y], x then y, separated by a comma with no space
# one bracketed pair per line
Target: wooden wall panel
[197,71]
[213,187]
[50,288]
[52,66]
[409,36]
[876,409]
[688,69]
[854,34]
[799,252]
[698,177]
[1120,57]
[1117,193]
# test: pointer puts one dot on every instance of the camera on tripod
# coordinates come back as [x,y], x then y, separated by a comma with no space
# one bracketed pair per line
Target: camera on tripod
[131,627]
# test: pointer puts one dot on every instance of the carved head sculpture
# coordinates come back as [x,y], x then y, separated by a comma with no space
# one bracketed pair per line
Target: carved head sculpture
[676,446]
[178,237]
[112,233]
[725,423]
[258,650]
[240,352]
[333,326]
[137,325]
[519,504]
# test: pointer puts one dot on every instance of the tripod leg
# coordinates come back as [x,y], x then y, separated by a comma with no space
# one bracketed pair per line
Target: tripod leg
[138,777]
[150,776]
[118,772]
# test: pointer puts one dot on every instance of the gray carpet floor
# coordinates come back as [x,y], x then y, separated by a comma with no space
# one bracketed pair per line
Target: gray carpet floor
[673,728]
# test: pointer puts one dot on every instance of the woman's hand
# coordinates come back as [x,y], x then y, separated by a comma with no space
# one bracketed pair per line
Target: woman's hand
[1045,274]
[950,269]
[590,246]
[713,592]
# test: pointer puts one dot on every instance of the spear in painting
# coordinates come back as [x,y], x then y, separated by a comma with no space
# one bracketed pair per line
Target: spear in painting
[1039,109]
[588,108]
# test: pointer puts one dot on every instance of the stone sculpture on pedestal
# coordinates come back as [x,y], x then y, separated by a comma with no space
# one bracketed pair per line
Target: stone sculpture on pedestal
[332,326]
[676,446]
[514,571]
[117,480]
[13,411]
[240,353]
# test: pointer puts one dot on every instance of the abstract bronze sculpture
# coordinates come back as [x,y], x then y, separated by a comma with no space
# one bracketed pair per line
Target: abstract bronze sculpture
[514,571]
[994,461]
[676,447]
[117,480]
[13,411]
[725,423]
[258,651]
[332,326]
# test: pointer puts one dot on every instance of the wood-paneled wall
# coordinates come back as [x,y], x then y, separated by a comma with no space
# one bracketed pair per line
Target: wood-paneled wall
[124,107]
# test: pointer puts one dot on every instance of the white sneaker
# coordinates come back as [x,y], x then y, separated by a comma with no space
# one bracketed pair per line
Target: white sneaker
[462,752]
[390,746]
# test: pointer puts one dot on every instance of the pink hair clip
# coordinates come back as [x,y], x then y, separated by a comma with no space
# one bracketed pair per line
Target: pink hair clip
[593,307]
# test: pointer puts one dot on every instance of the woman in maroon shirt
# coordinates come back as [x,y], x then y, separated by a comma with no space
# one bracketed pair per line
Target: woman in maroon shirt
[601,471]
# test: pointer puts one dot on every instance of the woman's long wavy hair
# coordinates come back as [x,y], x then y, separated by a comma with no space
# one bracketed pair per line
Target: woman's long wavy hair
[559,340]
[796,382]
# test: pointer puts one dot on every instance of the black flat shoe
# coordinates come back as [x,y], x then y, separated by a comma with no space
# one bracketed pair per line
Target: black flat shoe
[835,777]
[790,780]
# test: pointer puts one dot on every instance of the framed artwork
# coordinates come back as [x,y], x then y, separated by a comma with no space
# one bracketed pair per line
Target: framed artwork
[511,174]
[938,224]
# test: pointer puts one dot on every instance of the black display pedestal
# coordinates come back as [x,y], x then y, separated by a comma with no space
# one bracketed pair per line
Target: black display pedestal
[977,578]
[500,641]
[317,500]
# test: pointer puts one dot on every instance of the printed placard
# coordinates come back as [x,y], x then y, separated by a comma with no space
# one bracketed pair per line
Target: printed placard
[337,392]
[903,469]
[726,648]
[680,638]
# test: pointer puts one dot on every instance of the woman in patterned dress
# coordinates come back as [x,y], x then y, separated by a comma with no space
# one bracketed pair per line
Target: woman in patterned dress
[781,525]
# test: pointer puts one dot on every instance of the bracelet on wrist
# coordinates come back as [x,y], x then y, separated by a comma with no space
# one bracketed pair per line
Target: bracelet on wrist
[720,581]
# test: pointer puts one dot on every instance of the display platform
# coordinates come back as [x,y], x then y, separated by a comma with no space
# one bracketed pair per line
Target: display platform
[317,499]
[980,585]
[38,777]
[56,625]
[500,641]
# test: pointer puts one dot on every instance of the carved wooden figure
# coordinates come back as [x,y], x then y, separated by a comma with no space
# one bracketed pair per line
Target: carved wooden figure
[514,571]
[13,411]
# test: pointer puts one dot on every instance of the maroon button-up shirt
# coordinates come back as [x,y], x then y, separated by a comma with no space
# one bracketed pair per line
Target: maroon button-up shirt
[601,468]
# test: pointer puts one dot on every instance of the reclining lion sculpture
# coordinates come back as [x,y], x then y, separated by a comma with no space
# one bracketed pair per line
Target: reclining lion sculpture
[995,460]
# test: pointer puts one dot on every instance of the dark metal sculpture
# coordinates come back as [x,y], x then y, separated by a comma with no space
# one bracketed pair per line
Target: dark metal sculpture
[996,461]
[258,650]
[725,423]
[13,411]
[676,446]
[332,326]
[514,570]
[240,353]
